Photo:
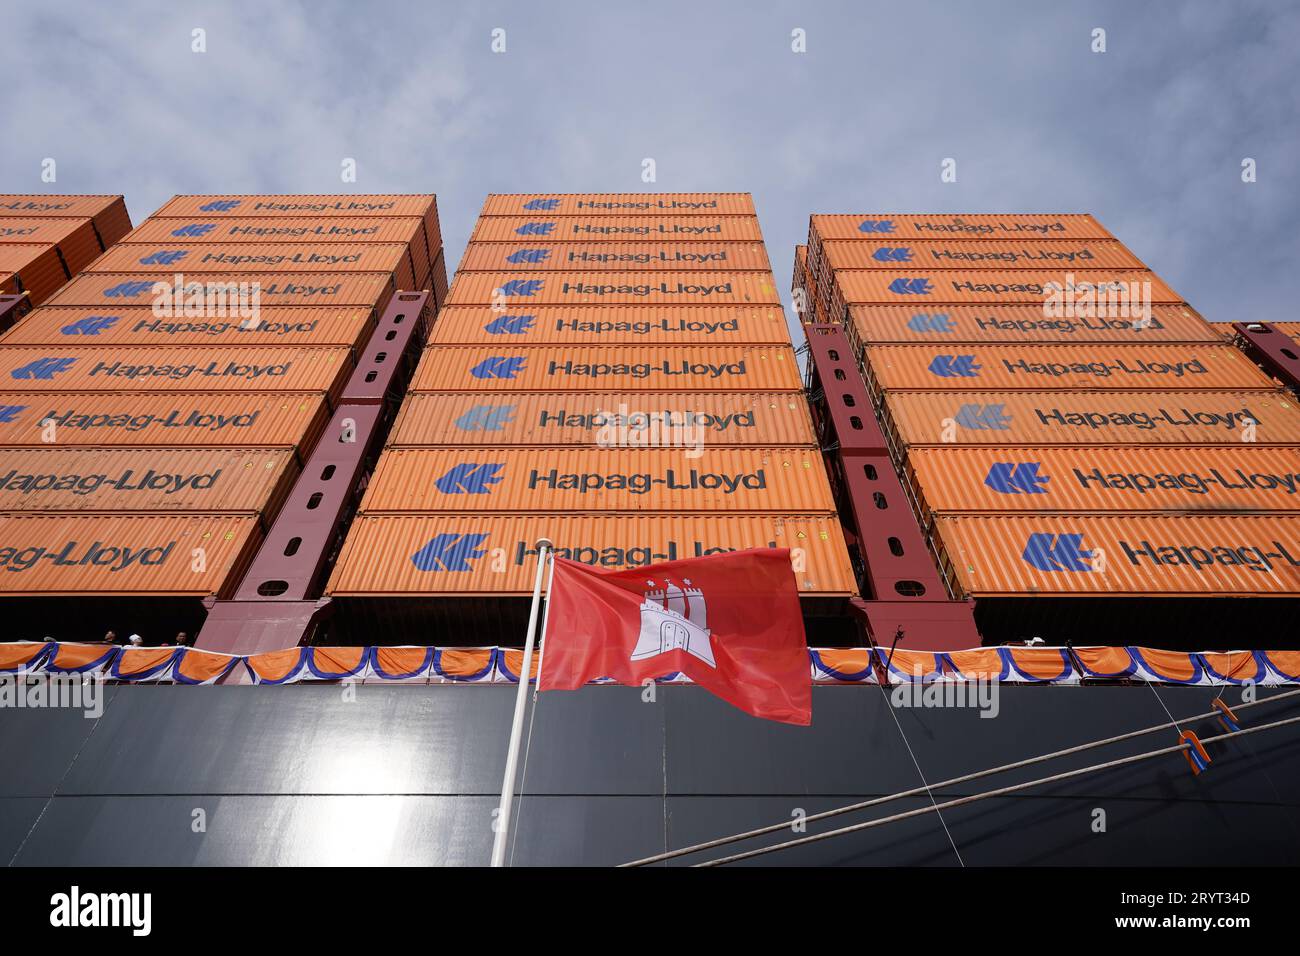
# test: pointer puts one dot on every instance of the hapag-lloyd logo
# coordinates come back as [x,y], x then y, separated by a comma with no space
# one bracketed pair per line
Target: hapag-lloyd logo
[641,290]
[1066,552]
[460,551]
[127,480]
[76,554]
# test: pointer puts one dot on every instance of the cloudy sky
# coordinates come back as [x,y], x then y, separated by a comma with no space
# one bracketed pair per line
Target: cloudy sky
[1149,136]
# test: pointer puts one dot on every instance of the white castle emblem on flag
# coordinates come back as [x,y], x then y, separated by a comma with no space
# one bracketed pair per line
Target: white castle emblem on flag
[673,619]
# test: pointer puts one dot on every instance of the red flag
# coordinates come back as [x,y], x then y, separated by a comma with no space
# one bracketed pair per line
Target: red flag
[730,622]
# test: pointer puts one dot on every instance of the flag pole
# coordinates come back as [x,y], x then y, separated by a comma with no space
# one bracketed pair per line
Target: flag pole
[544,546]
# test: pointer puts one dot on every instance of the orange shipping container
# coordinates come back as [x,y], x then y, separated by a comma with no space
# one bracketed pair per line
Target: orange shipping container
[928,254]
[1142,555]
[327,257]
[231,293]
[586,418]
[122,555]
[64,369]
[495,555]
[247,420]
[697,478]
[1104,478]
[75,238]
[82,325]
[614,288]
[624,256]
[108,212]
[1066,292]
[145,479]
[750,368]
[619,204]
[908,325]
[1003,367]
[35,269]
[1092,418]
[878,226]
[548,227]
[607,325]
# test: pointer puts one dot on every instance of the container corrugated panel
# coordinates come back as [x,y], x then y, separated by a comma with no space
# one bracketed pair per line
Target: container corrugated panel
[145,479]
[619,204]
[610,256]
[600,479]
[1009,367]
[372,289]
[614,288]
[884,226]
[456,554]
[332,258]
[1092,418]
[90,325]
[958,254]
[107,212]
[547,227]
[906,325]
[35,269]
[76,233]
[1142,555]
[246,420]
[1106,479]
[586,418]
[800,267]
[1077,291]
[123,555]
[748,368]
[603,325]
[67,369]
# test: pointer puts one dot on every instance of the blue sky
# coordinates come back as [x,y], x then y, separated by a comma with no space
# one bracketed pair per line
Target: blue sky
[1149,136]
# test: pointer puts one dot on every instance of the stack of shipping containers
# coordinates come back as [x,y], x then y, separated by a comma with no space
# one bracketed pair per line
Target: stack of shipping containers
[612,372]
[158,408]
[46,240]
[1092,437]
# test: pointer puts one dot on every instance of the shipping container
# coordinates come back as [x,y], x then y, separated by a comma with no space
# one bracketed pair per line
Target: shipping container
[694,478]
[619,204]
[878,226]
[614,288]
[132,326]
[1065,292]
[226,294]
[145,479]
[547,227]
[1150,556]
[909,325]
[331,258]
[607,325]
[590,418]
[1092,418]
[108,213]
[744,368]
[285,420]
[459,554]
[73,369]
[929,254]
[1011,367]
[75,238]
[1105,478]
[614,256]
[35,269]
[99,555]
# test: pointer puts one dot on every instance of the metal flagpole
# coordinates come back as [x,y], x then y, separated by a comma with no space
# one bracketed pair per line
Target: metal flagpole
[541,640]
[517,725]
